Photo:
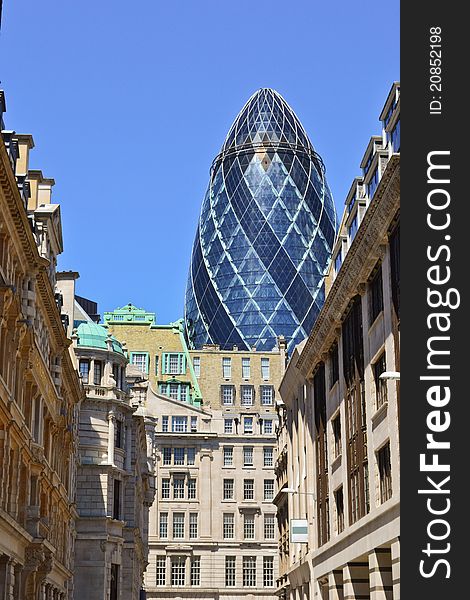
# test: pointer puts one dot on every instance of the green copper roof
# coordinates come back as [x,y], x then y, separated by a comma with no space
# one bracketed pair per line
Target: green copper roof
[91,335]
[129,314]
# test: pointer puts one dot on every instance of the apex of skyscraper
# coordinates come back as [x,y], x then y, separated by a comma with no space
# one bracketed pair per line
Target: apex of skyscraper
[265,234]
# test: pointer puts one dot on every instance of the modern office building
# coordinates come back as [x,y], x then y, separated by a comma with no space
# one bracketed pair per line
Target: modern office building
[39,387]
[265,234]
[212,525]
[338,455]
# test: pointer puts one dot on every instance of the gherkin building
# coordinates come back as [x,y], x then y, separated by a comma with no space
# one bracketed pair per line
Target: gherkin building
[265,234]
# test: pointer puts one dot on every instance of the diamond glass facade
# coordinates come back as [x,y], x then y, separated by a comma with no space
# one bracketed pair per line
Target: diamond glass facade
[265,234]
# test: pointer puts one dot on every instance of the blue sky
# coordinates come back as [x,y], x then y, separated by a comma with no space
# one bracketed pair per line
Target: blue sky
[129,103]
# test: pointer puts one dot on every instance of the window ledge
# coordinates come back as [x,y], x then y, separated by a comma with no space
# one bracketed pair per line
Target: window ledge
[379,415]
[336,463]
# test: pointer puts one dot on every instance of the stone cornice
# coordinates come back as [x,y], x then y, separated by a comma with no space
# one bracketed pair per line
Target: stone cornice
[360,259]
[16,209]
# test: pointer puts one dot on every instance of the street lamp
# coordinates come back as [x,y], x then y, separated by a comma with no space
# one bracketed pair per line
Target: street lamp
[288,490]
[393,375]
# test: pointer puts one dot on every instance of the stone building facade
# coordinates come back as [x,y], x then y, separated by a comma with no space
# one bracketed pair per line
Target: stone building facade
[338,462]
[39,388]
[213,524]
[115,477]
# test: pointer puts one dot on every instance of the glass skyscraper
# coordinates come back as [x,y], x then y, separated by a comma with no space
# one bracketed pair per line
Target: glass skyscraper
[265,234]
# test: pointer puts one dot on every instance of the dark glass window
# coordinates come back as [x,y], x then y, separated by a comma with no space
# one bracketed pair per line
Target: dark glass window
[118,434]
[98,366]
[84,366]
[385,473]
[379,367]
[339,510]
[114,583]
[336,424]
[376,303]
[117,500]
[334,365]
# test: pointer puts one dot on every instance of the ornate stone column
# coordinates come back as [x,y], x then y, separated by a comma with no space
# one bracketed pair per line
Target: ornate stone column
[111,425]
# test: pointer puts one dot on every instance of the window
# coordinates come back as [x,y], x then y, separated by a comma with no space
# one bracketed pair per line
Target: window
[230,571]
[268,571]
[249,527]
[380,384]
[178,456]
[267,457]
[179,424]
[140,360]
[161,570]
[227,368]
[248,489]
[228,489]
[191,454]
[227,393]
[246,368]
[395,268]
[376,303]
[117,500]
[228,526]
[195,570]
[247,395]
[193,424]
[173,363]
[178,570]
[228,425]
[352,229]
[339,499]
[84,367]
[118,434]
[265,369]
[249,571]
[354,489]
[114,583]
[269,527]
[165,424]
[166,456]
[193,525]
[267,426]
[334,365]
[178,488]
[228,456]
[338,261]
[373,183]
[156,364]
[267,395]
[268,489]
[197,366]
[248,456]
[176,391]
[97,372]
[165,489]
[178,526]
[191,489]
[248,425]
[116,374]
[395,137]
[164,525]
[385,473]
[336,425]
